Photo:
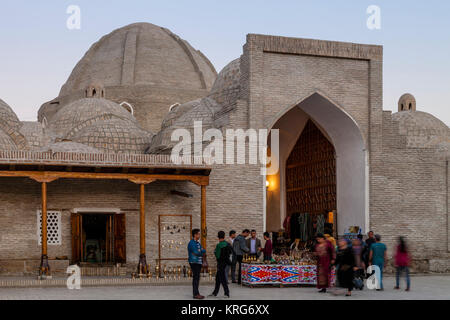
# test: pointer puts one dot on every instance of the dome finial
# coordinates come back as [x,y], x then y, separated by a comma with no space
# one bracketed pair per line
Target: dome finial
[407,102]
[95,90]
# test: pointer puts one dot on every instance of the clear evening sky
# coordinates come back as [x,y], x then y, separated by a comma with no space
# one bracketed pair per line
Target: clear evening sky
[38,51]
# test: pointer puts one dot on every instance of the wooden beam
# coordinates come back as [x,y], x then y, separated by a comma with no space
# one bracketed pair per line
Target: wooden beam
[49,176]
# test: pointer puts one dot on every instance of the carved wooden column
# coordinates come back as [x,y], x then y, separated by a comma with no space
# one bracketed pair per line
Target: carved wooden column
[142,267]
[44,179]
[44,268]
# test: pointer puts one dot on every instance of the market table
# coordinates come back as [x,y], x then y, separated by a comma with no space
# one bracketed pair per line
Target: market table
[264,274]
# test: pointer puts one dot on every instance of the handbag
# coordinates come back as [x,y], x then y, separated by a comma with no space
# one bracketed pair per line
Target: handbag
[204,262]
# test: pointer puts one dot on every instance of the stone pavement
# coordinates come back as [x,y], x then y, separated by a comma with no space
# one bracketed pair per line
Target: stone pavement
[430,287]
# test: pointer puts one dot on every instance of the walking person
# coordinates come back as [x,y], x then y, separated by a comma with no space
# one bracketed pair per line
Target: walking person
[345,259]
[378,257]
[231,267]
[240,248]
[402,263]
[357,249]
[223,252]
[196,253]
[326,256]
[267,250]
[254,244]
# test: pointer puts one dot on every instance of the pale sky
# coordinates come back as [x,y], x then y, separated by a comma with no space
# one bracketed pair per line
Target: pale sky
[38,51]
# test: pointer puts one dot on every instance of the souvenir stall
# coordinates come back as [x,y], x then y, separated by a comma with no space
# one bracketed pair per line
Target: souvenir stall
[283,270]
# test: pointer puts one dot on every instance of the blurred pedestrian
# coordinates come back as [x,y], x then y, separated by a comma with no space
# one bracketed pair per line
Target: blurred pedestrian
[345,259]
[378,257]
[402,263]
[326,256]
[196,253]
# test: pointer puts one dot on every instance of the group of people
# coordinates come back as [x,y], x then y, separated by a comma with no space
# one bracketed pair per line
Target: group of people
[351,258]
[229,254]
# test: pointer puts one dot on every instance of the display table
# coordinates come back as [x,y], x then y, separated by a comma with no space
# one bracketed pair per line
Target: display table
[264,274]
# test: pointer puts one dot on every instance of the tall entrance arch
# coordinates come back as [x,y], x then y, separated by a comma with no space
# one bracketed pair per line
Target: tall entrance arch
[314,190]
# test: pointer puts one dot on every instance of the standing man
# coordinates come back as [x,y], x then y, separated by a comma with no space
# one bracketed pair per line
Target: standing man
[196,253]
[378,257]
[370,240]
[267,250]
[240,247]
[233,259]
[223,252]
[254,244]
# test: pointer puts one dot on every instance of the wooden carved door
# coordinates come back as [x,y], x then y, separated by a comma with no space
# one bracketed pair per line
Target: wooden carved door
[75,220]
[119,238]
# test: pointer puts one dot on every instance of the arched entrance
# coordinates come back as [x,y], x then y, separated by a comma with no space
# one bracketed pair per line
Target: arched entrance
[315,190]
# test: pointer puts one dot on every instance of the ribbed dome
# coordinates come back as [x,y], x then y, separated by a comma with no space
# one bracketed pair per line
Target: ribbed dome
[8,119]
[6,143]
[422,129]
[142,54]
[227,85]
[85,112]
[114,136]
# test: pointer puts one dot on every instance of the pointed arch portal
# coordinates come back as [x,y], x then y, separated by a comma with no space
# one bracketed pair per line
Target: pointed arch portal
[334,125]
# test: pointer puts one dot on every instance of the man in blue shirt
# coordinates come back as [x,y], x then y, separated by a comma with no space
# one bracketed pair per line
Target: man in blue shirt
[196,253]
[378,257]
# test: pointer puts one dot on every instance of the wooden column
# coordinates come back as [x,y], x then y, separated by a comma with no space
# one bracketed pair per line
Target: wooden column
[44,268]
[142,268]
[203,217]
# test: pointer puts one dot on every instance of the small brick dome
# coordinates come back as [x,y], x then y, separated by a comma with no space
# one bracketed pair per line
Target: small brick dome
[114,136]
[69,146]
[85,112]
[422,129]
[407,102]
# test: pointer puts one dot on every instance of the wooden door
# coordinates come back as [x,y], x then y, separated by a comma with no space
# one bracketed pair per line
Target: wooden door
[119,238]
[75,220]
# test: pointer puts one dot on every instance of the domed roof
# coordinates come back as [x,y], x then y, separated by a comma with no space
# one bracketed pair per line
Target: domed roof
[35,134]
[183,117]
[227,85]
[84,112]
[422,129]
[8,119]
[141,54]
[6,143]
[69,146]
[114,136]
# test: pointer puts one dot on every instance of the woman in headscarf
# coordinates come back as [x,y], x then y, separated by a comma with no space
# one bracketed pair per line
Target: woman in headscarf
[346,266]
[326,256]
[402,263]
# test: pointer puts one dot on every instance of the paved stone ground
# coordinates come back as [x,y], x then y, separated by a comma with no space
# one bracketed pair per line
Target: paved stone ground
[432,287]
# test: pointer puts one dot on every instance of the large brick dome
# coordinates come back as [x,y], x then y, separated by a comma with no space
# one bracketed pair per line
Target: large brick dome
[142,54]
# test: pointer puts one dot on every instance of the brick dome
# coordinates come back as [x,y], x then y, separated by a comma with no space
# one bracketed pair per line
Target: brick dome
[69,146]
[227,85]
[114,136]
[85,112]
[141,54]
[6,143]
[422,129]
